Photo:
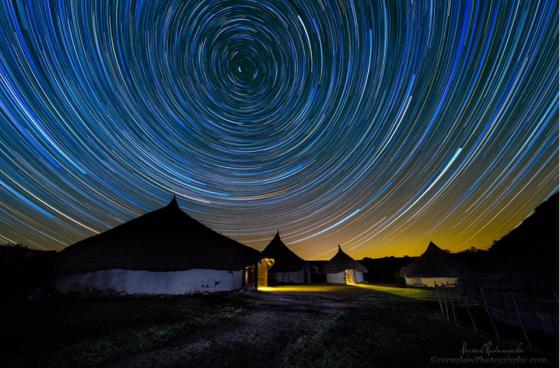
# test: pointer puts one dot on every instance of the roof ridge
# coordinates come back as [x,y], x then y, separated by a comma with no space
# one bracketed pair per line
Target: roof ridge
[173,203]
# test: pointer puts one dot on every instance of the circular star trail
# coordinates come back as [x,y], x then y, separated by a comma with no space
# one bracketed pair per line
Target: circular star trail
[378,125]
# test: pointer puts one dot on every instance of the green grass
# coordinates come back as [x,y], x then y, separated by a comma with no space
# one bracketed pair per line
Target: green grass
[78,332]
[403,292]
[373,326]
[396,327]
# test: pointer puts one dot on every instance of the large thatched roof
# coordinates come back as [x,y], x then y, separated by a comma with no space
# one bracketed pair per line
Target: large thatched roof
[434,262]
[342,261]
[166,239]
[284,259]
[536,238]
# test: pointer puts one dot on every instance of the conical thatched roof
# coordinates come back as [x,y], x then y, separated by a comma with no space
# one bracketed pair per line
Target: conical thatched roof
[166,239]
[284,259]
[434,262]
[342,261]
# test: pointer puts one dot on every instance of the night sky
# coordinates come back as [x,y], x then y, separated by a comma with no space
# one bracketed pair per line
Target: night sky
[379,125]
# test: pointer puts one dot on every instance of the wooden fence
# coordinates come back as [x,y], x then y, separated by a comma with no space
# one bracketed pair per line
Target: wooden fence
[530,310]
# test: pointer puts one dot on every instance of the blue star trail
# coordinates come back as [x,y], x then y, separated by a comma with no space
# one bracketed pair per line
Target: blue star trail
[379,125]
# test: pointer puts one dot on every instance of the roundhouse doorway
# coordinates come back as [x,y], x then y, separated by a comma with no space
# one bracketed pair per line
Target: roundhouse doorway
[263,267]
[349,277]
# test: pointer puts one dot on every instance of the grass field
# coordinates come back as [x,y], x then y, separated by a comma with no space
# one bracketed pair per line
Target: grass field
[317,326]
[79,332]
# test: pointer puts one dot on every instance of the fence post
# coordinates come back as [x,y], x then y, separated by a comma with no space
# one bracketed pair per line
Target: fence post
[521,321]
[470,315]
[453,310]
[466,286]
[443,290]
[488,312]
[438,293]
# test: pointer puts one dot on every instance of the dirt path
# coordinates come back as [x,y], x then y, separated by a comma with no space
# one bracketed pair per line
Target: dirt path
[258,336]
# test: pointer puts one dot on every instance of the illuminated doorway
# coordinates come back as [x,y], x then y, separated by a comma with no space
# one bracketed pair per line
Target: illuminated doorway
[263,267]
[349,276]
[250,277]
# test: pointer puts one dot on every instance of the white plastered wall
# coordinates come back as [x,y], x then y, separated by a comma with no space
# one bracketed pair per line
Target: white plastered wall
[359,276]
[340,277]
[336,278]
[153,283]
[295,277]
[430,281]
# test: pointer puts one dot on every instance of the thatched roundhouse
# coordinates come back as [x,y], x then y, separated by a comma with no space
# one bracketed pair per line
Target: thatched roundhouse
[286,266]
[435,267]
[517,279]
[343,269]
[164,252]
